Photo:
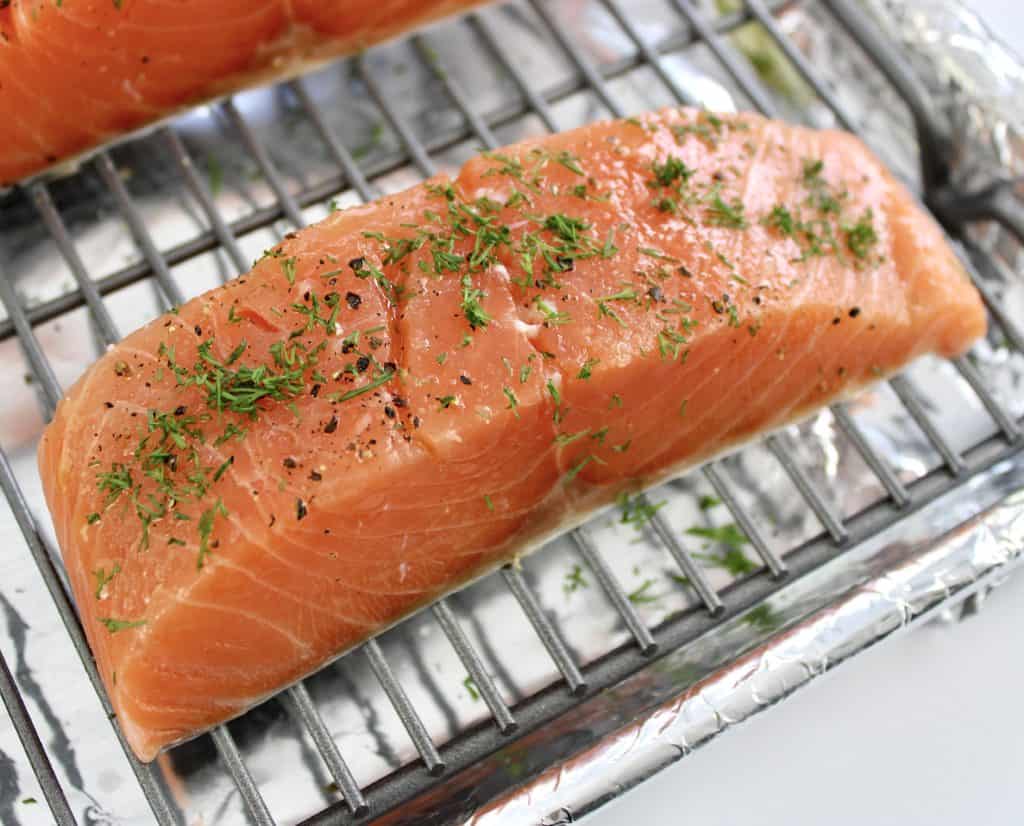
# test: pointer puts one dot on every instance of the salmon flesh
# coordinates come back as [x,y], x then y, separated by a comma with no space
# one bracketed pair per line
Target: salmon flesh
[75,74]
[413,392]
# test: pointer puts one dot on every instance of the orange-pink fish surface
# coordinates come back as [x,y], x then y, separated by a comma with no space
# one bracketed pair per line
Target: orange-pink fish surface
[412,392]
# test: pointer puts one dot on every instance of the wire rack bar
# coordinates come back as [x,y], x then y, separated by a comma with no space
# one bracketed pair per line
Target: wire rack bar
[170,291]
[221,737]
[796,58]
[34,750]
[883,471]
[474,665]
[594,80]
[616,593]
[255,805]
[694,573]
[663,531]
[908,395]
[996,308]
[301,707]
[932,129]
[289,206]
[417,151]
[545,629]
[737,70]
[822,509]
[40,196]
[341,156]
[37,360]
[536,103]
[792,468]
[648,52]
[54,577]
[739,513]
[707,34]
[431,57]
[201,192]
[1007,424]
[406,712]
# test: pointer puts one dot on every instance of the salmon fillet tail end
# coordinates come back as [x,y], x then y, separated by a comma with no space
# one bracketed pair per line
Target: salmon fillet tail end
[410,393]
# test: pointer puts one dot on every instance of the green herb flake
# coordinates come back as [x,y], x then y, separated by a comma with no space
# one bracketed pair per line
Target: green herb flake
[724,214]
[641,595]
[574,471]
[672,171]
[114,625]
[288,268]
[513,402]
[653,252]
[862,237]
[474,693]
[569,161]
[471,307]
[574,580]
[223,468]
[562,439]
[556,396]
[114,482]
[729,535]
[587,368]
[103,578]
[763,618]
[383,378]
[206,528]
[488,502]
[780,218]
[637,510]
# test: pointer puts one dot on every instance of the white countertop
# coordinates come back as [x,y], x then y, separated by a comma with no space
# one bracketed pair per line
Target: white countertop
[927,728]
[923,729]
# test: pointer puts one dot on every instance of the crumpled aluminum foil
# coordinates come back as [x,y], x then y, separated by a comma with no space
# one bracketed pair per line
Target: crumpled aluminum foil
[976,81]
[901,582]
[290,775]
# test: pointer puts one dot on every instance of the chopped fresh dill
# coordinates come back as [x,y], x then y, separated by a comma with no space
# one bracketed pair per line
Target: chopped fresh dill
[637,510]
[641,595]
[115,625]
[103,578]
[574,580]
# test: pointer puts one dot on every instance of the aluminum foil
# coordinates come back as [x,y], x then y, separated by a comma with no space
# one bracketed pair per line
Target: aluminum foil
[290,775]
[973,78]
[903,576]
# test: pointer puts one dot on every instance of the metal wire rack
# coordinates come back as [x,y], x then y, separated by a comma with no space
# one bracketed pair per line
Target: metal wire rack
[713,604]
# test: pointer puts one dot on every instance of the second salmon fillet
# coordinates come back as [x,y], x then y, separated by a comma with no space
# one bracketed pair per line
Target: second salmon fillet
[413,392]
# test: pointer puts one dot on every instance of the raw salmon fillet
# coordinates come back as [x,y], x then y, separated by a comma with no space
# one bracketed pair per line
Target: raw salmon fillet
[415,391]
[74,74]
